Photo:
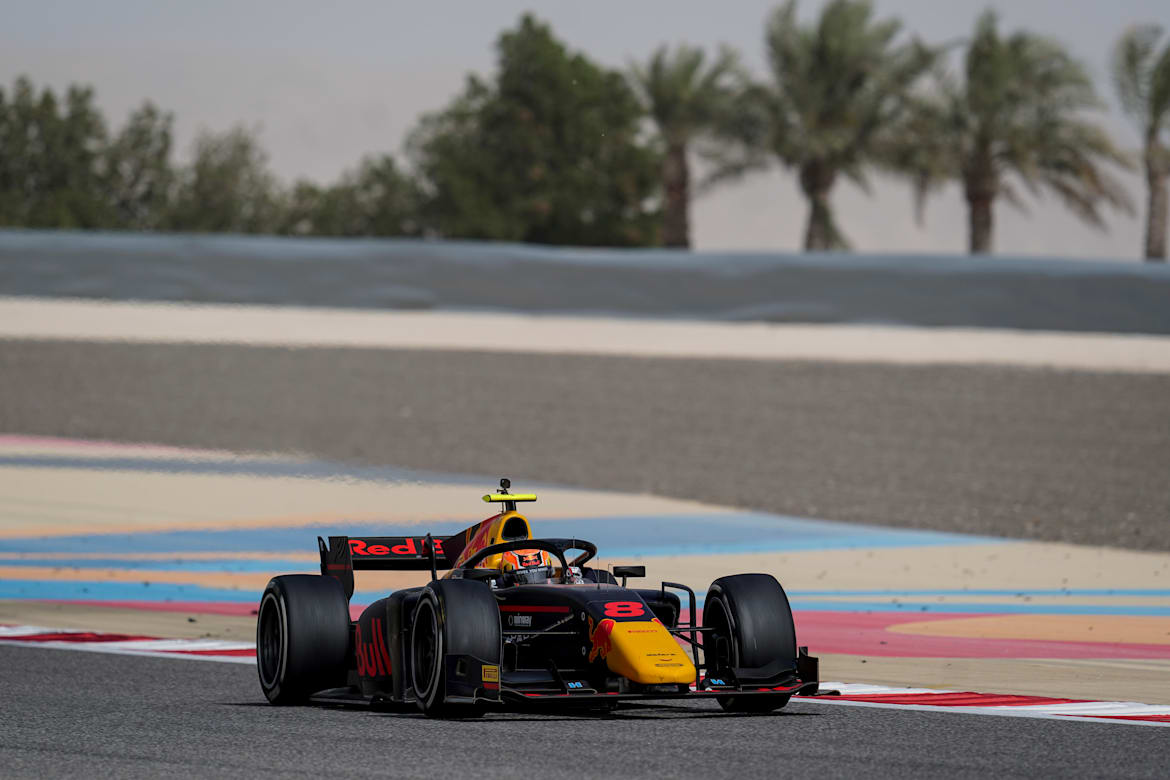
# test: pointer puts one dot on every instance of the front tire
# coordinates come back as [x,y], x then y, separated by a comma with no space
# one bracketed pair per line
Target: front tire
[302,637]
[452,617]
[752,628]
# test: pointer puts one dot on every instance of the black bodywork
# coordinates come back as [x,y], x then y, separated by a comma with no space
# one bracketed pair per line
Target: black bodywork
[549,650]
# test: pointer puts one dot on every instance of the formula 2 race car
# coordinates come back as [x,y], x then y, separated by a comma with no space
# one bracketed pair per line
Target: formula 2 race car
[515,622]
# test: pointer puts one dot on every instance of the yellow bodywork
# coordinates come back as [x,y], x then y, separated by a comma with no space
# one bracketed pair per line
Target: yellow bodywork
[642,651]
[496,498]
[487,533]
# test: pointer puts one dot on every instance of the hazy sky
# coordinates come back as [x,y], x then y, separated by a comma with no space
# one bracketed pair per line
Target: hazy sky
[329,82]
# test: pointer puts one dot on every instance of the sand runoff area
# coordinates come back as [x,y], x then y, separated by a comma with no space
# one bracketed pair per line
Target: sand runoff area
[176,542]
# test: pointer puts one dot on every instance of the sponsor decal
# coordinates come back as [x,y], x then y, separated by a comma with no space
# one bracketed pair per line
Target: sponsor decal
[574,684]
[528,558]
[624,609]
[520,638]
[408,546]
[479,540]
[524,621]
[601,639]
[491,674]
[373,659]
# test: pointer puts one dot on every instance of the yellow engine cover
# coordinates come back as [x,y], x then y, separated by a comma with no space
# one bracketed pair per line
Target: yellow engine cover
[489,532]
[640,650]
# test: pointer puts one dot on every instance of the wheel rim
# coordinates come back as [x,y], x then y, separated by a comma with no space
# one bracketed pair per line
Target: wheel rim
[425,647]
[715,616]
[270,644]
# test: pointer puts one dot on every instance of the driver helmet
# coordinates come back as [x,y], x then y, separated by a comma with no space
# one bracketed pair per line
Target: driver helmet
[527,566]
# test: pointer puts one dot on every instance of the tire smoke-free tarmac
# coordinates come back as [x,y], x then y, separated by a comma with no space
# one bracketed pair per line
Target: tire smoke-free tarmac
[87,714]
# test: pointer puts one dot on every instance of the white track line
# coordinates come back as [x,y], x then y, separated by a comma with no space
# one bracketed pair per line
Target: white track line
[1006,712]
[207,648]
[198,649]
[1093,711]
[97,647]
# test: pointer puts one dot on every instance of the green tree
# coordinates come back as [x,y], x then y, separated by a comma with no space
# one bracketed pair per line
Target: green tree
[547,152]
[687,99]
[16,176]
[1142,78]
[1018,115]
[837,88]
[49,158]
[136,173]
[73,147]
[385,196]
[228,187]
[375,199]
[303,208]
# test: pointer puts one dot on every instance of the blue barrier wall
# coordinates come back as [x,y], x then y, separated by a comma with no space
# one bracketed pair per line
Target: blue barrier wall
[955,291]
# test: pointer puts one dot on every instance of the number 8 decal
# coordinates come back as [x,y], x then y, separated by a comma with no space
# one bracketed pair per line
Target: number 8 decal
[624,609]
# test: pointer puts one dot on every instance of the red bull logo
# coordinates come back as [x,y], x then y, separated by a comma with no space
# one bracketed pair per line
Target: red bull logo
[601,639]
[373,659]
[478,538]
[525,559]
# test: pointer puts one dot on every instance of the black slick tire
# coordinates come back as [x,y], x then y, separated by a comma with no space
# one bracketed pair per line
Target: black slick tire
[753,627]
[302,637]
[452,617]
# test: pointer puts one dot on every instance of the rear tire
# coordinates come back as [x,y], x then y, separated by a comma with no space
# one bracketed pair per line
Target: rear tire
[302,637]
[452,617]
[753,627]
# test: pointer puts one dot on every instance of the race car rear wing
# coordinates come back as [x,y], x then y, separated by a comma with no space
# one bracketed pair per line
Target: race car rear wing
[345,554]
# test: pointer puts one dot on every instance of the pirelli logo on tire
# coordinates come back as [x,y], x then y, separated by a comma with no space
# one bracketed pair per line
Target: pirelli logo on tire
[491,674]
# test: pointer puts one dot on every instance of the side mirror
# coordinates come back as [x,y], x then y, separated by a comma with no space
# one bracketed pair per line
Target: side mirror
[628,571]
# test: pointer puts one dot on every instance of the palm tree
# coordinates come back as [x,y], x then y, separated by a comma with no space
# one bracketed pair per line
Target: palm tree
[686,99]
[1142,79]
[1018,115]
[837,87]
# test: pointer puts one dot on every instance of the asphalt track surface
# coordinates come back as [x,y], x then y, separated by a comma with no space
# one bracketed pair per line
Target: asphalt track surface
[1056,455]
[82,714]
[1041,454]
